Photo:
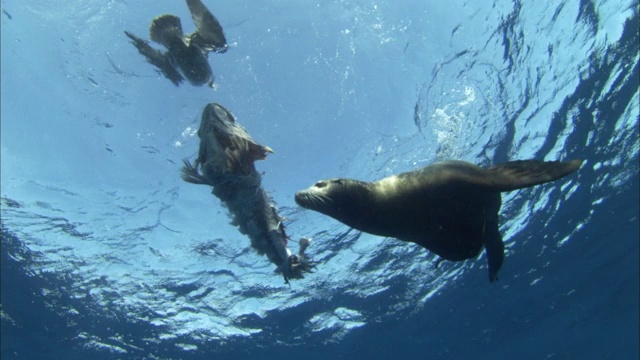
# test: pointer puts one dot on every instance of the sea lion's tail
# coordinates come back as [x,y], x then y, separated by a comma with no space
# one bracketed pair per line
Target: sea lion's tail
[166,29]
[525,173]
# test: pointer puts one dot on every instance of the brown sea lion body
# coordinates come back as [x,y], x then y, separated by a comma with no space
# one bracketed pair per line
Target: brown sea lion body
[450,208]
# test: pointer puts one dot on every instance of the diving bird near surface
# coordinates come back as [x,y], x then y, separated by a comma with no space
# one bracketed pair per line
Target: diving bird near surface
[226,162]
[186,55]
[450,208]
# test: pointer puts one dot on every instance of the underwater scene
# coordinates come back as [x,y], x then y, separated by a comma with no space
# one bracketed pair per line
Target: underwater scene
[340,179]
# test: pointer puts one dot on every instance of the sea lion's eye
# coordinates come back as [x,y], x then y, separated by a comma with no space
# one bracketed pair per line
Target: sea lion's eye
[320,184]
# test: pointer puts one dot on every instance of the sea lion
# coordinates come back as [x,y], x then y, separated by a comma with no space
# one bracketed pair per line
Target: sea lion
[186,55]
[450,208]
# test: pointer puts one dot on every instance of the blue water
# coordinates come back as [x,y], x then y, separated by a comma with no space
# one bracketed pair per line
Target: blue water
[108,254]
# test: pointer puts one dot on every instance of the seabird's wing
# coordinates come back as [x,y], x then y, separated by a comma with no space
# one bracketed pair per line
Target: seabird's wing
[209,35]
[156,58]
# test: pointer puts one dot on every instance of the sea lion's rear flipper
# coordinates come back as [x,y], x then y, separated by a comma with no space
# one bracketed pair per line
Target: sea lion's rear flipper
[525,173]
[166,30]
[209,35]
[156,58]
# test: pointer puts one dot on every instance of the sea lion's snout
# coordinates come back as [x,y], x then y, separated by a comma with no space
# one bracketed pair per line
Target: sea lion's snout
[308,200]
[312,199]
[300,198]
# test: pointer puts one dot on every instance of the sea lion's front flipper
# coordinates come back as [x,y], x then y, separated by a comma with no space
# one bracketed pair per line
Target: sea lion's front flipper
[494,247]
[491,237]
[209,36]
[525,173]
[156,58]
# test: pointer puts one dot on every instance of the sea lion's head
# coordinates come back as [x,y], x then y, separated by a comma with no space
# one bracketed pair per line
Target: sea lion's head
[342,199]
